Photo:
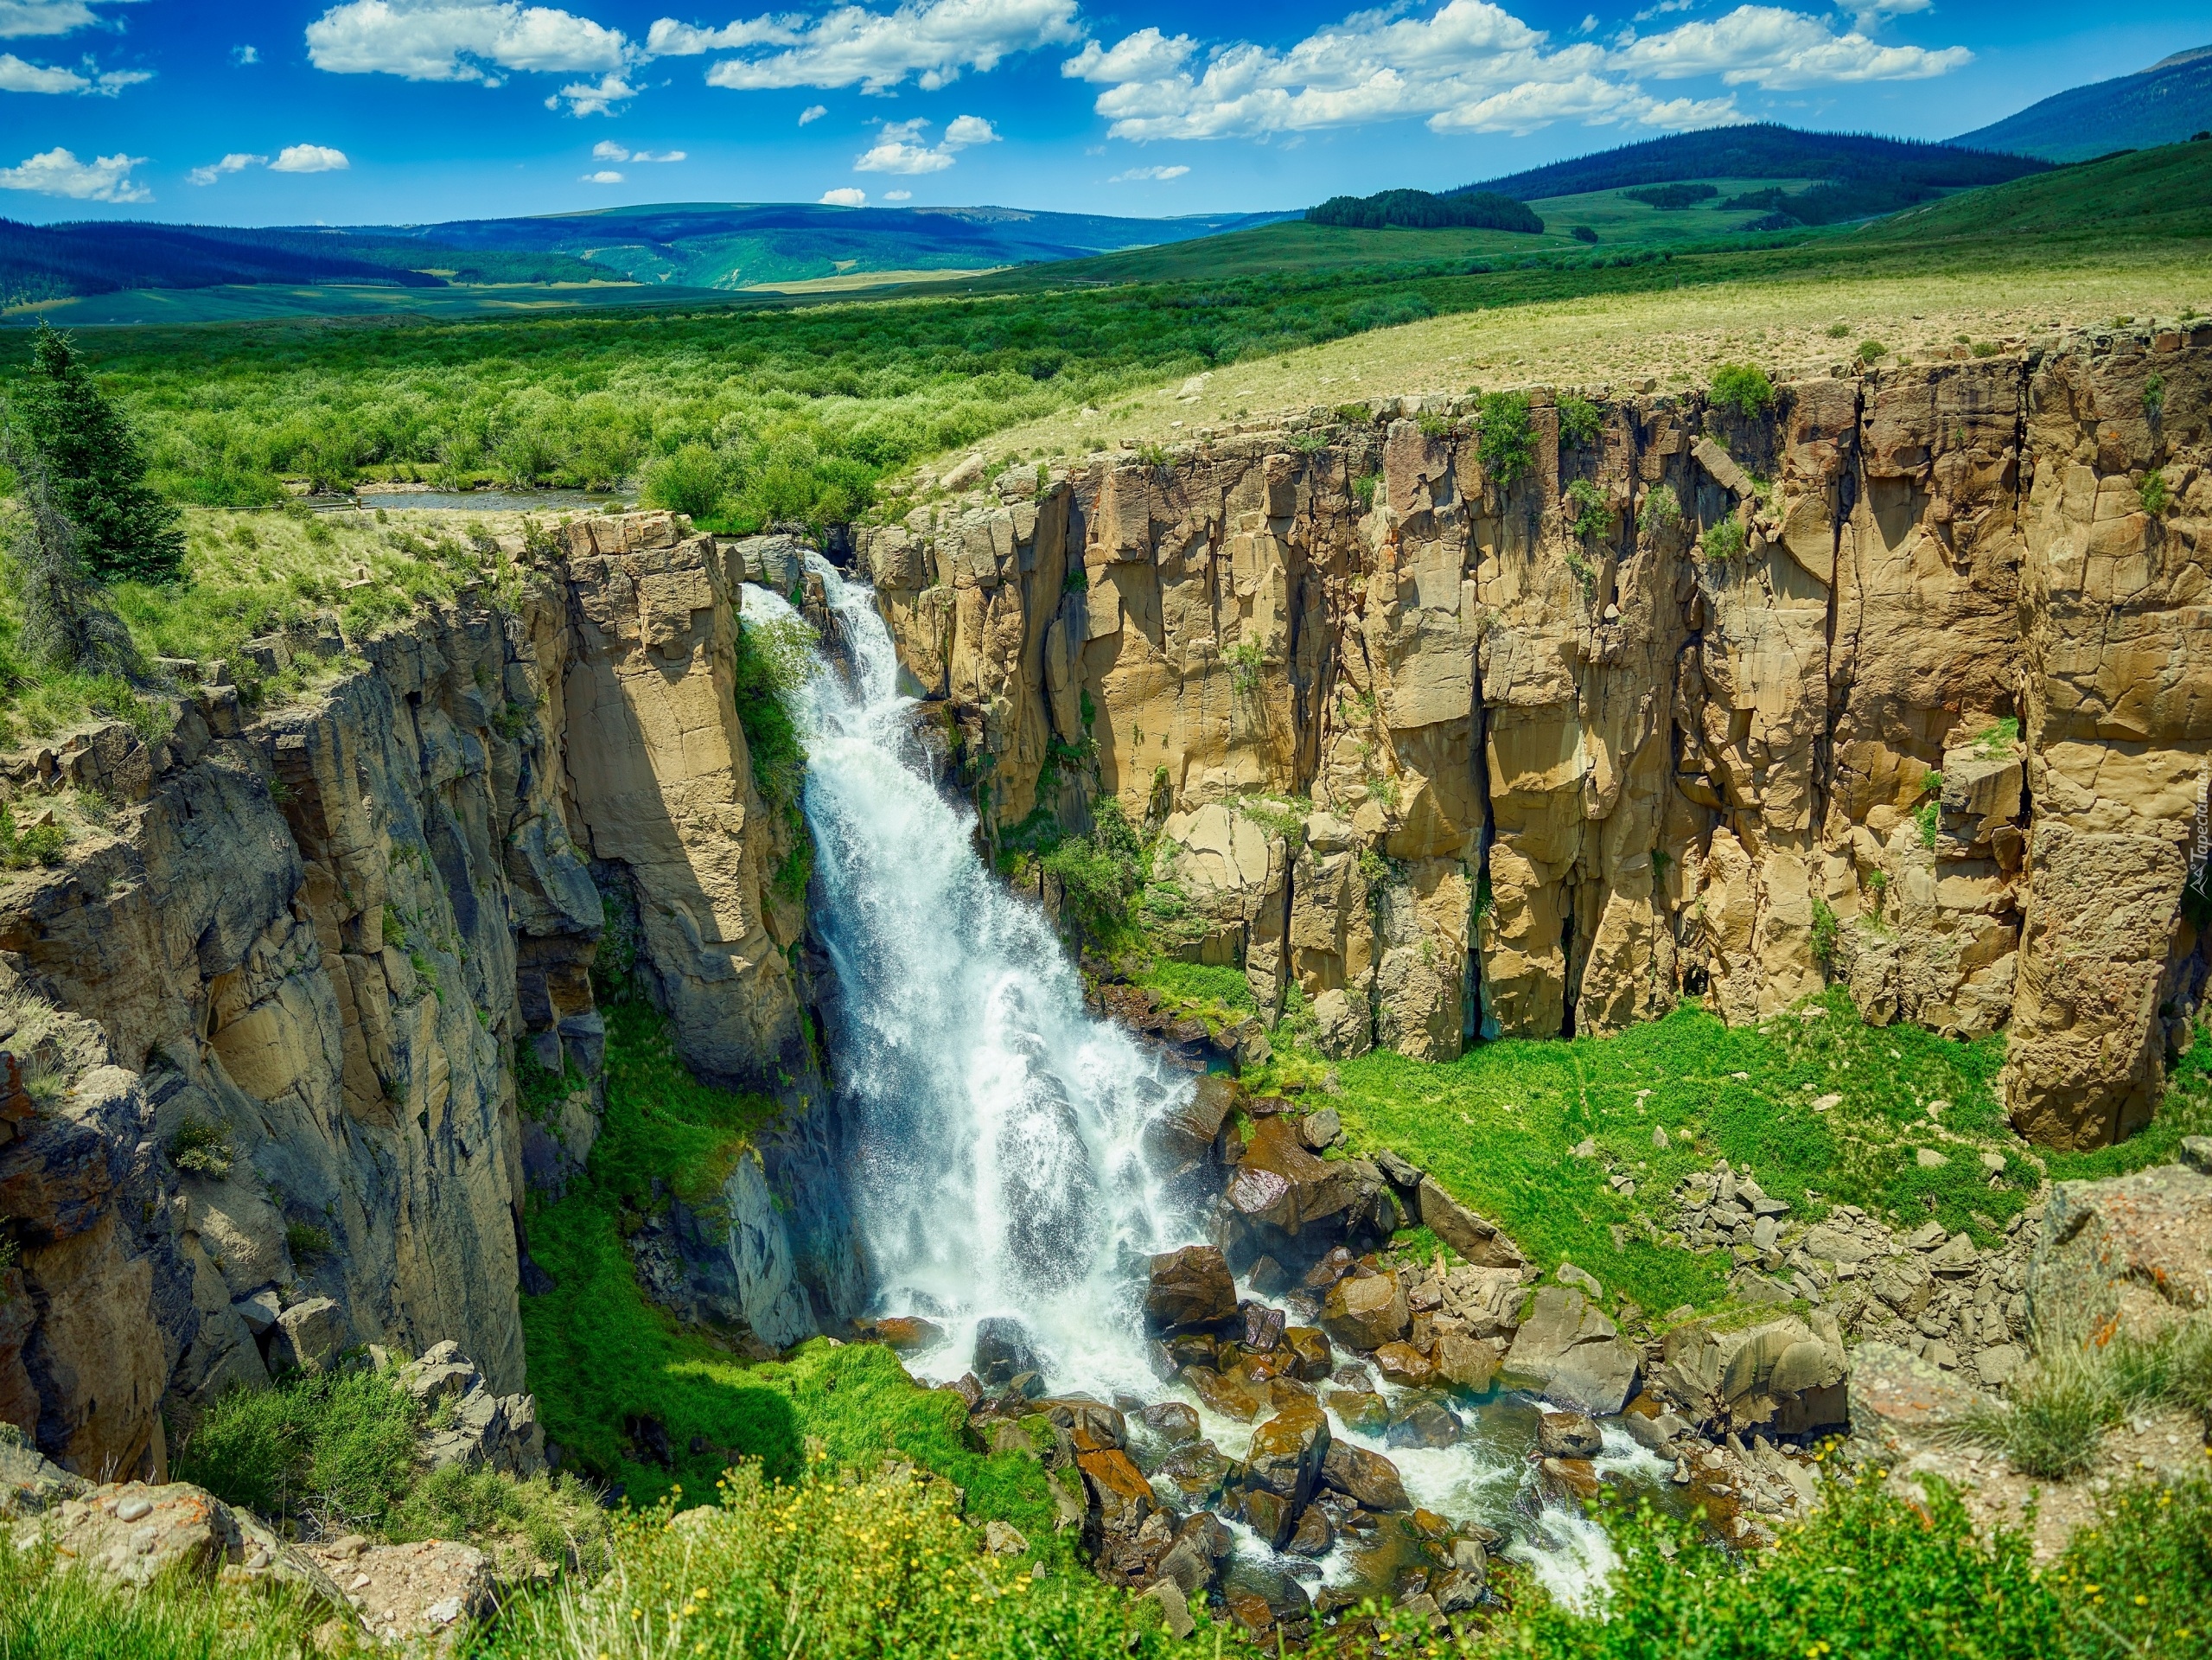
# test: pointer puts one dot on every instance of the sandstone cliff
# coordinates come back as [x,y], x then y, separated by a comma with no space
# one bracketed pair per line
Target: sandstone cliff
[269,1016]
[1930,714]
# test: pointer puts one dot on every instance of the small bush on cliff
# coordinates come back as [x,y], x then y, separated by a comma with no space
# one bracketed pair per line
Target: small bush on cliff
[1588,515]
[2154,492]
[342,1443]
[774,659]
[1507,443]
[1661,510]
[1743,387]
[201,1147]
[1725,540]
[1580,420]
[43,844]
[1098,873]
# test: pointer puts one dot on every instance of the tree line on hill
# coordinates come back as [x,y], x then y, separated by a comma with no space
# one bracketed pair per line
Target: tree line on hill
[1421,210]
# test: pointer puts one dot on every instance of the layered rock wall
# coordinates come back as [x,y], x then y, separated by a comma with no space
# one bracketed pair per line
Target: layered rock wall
[1900,681]
[263,1028]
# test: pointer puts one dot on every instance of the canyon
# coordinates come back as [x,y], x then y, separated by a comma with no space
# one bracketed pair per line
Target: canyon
[1440,750]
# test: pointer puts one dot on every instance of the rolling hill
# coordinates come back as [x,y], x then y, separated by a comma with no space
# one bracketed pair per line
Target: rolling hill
[729,245]
[2162,105]
[1843,176]
[2161,195]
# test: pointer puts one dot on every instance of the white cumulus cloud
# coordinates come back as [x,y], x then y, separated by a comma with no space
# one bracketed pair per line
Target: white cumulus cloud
[310,158]
[844,196]
[898,195]
[1135,172]
[813,113]
[932,42]
[17,76]
[59,173]
[1470,66]
[480,41]
[899,147]
[588,98]
[22,18]
[243,55]
[237,162]
[604,176]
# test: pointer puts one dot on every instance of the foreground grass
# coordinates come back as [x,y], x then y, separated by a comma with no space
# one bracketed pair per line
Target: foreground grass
[602,1357]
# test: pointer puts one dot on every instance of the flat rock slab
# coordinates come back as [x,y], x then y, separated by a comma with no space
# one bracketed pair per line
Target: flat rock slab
[1894,1392]
[405,1592]
[2149,1234]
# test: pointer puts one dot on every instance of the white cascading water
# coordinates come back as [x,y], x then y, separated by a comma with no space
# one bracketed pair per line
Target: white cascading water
[1000,1169]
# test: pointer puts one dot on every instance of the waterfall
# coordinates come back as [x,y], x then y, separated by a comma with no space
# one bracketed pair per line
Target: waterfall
[998,1170]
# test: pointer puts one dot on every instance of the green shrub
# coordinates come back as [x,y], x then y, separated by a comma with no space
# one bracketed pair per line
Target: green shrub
[1839,330]
[1929,818]
[1999,739]
[43,844]
[691,480]
[1507,441]
[1245,662]
[307,1243]
[2154,395]
[881,1567]
[1725,540]
[1743,387]
[1871,351]
[559,1517]
[1661,510]
[1363,490]
[342,1442]
[2154,492]
[773,660]
[201,1147]
[1590,515]
[1826,934]
[1583,234]
[1099,872]
[1355,414]
[1580,420]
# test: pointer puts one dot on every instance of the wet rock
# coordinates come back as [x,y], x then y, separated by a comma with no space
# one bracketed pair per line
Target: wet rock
[1195,1471]
[1423,1421]
[1025,1386]
[1366,1310]
[1335,1264]
[1568,1352]
[1227,1396]
[1172,1422]
[905,1333]
[1270,1278]
[1400,1173]
[1192,1349]
[1186,1566]
[1474,1237]
[1401,1363]
[1267,1514]
[1570,1479]
[1003,1350]
[1650,1422]
[1367,1478]
[1286,1203]
[1314,1537]
[1466,1363]
[1191,1290]
[1360,1409]
[1260,1597]
[1569,1435]
[1118,1490]
[1263,1326]
[1460,1589]
[1091,1427]
[1308,1347]
[1287,1453]
[1181,1142]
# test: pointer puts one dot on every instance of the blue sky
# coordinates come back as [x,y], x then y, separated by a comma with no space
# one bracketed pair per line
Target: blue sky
[253,112]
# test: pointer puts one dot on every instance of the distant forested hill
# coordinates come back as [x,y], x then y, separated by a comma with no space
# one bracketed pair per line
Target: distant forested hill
[44,262]
[2169,101]
[1860,174]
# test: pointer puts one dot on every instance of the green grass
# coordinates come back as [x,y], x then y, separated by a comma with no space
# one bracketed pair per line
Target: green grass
[2151,193]
[1872,1577]
[344,1443]
[61,1611]
[235,302]
[1499,1126]
[600,1353]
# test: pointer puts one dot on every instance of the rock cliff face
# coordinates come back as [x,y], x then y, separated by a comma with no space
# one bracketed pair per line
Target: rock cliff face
[1905,680]
[261,1033]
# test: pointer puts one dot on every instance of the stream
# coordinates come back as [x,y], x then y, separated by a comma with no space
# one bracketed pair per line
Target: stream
[1000,1171]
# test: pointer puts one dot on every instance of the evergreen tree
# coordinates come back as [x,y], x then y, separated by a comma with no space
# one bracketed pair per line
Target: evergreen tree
[125,531]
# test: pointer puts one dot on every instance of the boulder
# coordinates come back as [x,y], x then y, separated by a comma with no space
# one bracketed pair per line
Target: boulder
[1003,1350]
[1368,1478]
[905,1333]
[1184,1139]
[1466,1363]
[1474,1237]
[1779,1373]
[1308,1347]
[1569,1435]
[1191,1290]
[410,1593]
[133,1534]
[1894,1394]
[1171,1422]
[1568,1352]
[1366,1310]
[2139,1246]
[1422,1421]
[1286,1452]
[1360,1409]
[1321,1130]
[1197,1469]
[1401,1363]
[30,1485]
[1173,1603]
[1288,1204]
[309,1335]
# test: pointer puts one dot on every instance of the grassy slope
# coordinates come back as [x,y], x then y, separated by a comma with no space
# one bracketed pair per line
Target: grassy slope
[233,302]
[599,1352]
[1499,1127]
[2163,194]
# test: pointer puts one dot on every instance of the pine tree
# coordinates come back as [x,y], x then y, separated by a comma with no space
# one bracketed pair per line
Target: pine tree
[125,531]
[64,624]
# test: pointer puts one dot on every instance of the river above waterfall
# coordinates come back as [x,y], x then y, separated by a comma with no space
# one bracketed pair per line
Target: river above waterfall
[999,1169]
